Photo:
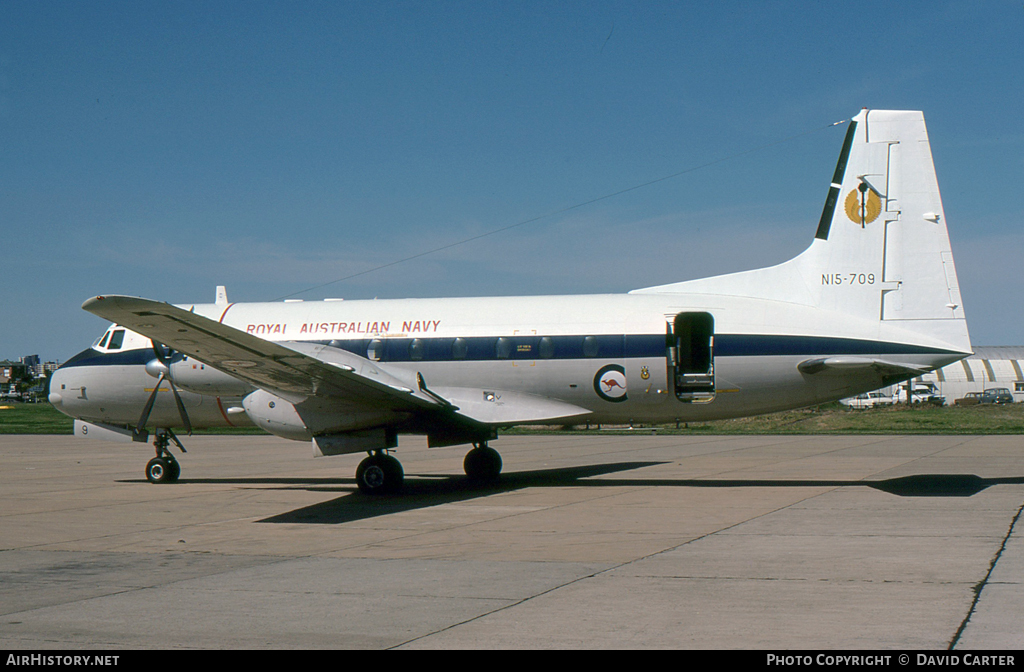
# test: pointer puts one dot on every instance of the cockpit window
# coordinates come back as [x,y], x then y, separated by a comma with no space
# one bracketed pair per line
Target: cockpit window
[103,340]
[116,339]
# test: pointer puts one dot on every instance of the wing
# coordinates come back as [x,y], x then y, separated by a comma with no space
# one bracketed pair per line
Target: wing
[299,371]
[294,371]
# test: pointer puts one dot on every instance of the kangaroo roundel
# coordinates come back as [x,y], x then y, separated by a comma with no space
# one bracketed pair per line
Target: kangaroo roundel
[610,383]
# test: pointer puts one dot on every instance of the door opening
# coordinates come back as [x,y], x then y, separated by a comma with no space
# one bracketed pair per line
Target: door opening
[691,356]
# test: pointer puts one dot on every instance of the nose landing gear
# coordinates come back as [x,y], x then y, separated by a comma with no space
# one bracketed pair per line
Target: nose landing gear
[164,468]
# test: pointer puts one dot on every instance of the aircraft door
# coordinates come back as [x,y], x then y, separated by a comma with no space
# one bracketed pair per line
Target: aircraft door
[691,358]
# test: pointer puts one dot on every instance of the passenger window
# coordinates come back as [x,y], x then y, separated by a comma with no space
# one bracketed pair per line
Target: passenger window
[590,346]
[376,350]
[503,348]
[417,348]
[546,350]
[460,348]
[116,339]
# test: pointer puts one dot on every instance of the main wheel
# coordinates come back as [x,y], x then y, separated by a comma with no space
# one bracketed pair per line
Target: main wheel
[160,470]
[482,464]
[379,475]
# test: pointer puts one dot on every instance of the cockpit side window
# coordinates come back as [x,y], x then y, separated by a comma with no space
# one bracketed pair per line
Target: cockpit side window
[103,340]
[116,339]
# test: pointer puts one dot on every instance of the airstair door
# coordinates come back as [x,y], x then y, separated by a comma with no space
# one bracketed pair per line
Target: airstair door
[691,357]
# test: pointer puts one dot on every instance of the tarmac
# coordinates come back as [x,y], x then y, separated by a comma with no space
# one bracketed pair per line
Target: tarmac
[605,540]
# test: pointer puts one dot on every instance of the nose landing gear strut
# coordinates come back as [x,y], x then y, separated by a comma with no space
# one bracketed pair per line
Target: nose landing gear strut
[164,468]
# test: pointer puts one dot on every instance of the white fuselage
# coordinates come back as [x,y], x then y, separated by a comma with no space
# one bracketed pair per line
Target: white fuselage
[757,347]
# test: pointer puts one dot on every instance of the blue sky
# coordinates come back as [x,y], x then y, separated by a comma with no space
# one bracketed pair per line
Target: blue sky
[161,149]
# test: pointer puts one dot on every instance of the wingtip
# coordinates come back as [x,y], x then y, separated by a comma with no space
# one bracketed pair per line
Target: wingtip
[92,302]
[98,305]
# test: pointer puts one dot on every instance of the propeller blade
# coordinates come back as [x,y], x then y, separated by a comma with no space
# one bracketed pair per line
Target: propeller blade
[181,408]
[140,429]
[163,353]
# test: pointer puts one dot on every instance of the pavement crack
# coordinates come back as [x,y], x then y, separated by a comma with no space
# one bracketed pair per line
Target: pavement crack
[980,586]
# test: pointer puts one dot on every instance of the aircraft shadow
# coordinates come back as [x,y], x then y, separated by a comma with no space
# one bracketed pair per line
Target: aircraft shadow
[424,491]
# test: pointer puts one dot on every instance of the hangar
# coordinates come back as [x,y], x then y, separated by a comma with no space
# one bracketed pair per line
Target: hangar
[988,367]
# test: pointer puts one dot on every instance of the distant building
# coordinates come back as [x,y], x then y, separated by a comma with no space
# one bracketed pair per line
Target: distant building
[11,370]
[988,367]
[12,375]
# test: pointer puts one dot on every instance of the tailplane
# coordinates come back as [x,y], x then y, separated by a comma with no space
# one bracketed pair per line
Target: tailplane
[881,251]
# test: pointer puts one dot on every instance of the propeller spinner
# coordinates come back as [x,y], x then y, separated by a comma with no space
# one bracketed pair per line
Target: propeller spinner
[160,368]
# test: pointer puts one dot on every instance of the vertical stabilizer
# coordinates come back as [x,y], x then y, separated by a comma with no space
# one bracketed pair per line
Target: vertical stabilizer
[881,251]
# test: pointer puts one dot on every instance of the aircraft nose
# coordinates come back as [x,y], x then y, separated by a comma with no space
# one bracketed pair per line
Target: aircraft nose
[58,379]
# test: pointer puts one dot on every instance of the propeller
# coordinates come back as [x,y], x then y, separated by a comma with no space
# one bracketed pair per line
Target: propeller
[162,367]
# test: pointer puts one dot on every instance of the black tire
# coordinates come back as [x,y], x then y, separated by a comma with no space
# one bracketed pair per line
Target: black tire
[380,475]
[159,470]
[483,464]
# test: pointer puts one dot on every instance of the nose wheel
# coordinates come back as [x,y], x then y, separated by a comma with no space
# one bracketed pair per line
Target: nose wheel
[163,468]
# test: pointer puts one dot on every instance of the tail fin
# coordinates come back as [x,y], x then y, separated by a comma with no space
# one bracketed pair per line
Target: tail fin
[881,252]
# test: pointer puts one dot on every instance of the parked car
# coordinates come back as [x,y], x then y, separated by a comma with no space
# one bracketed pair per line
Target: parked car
[969,399]
[923,393]
[869,400]
[996,395]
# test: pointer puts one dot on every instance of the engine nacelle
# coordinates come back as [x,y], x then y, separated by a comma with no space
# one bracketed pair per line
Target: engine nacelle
[193,375]
[275,415]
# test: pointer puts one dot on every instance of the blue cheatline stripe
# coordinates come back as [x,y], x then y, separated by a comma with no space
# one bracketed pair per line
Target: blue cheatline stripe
[622,346]
[749,345]
[92,357]
[606,346]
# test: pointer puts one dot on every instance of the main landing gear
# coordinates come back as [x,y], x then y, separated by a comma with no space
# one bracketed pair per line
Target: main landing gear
[381,474]
[482,464]
[164,468]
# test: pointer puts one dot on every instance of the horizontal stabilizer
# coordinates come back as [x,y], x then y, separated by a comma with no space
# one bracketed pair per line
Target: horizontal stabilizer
[845,364]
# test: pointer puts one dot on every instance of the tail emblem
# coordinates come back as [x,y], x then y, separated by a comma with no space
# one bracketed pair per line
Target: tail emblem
[863,205]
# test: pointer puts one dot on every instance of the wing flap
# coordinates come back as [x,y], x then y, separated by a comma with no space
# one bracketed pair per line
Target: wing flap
[497,407]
